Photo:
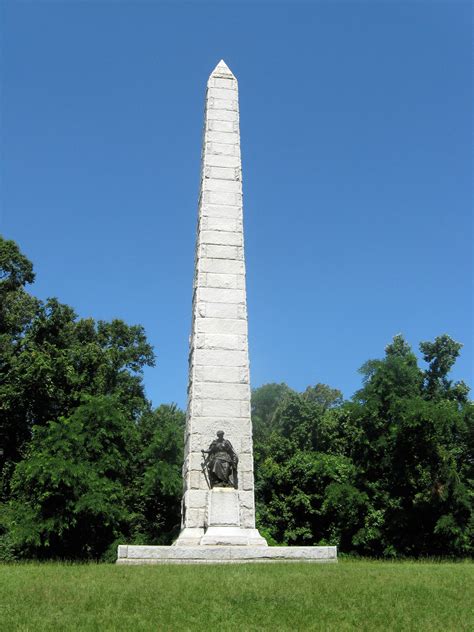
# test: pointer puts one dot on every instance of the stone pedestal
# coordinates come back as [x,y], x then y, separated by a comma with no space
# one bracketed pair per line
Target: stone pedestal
[223,521]
[222,524]
[224,554]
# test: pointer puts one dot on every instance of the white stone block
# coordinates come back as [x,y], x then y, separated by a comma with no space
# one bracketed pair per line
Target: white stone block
[211,184]
[223,126]
[216,408]
[246,462]
[222,115]
[219,310]
[196,498]
[219,357]
[222,93]
[247,518]
[220,160]
[246,499]
[216,210]
[247,443]
[223,104]
[226,198]
[216,251]
[228,224]
[220,295]
[222,374]
[217,390]
[246,480]
[221,326]
[194,518]
[221,341]
[222,266]
[221,237]
[196,479]
[223,507]
[221,149]
[231,138]
[230,281]
[222,173]
[223,83]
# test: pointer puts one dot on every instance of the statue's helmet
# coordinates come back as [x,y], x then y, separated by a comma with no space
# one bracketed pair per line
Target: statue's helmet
[220,433]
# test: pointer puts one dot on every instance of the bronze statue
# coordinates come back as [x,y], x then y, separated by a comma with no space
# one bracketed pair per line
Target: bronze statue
[221,463]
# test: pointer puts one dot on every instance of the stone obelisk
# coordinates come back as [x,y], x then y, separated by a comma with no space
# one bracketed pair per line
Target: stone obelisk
[218,518]
[219,387]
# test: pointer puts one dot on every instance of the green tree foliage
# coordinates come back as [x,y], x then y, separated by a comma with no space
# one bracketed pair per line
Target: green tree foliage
[86,463]
[70,495]
[265,401]
[159,485]
[50,359]
[389,473]
[83,459]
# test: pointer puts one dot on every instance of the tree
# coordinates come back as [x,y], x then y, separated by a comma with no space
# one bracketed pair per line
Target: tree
[71,494]
[441,356]
[265,401]
[410,453]
[158,486]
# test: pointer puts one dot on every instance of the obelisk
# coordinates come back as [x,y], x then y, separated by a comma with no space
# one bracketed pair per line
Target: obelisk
[219,387]
[218,508]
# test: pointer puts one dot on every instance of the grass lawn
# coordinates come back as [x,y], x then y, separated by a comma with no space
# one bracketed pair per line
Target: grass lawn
[350,595]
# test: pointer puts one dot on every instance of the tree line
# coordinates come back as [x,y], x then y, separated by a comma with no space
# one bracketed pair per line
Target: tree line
[86,462]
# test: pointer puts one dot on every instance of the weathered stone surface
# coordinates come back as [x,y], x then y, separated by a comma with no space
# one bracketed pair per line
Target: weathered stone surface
[218,525]
[225,554]
[219,391]
[221,374]
[223,508]
[221,326]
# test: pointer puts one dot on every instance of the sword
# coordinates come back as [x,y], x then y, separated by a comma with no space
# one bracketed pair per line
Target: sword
[204,469]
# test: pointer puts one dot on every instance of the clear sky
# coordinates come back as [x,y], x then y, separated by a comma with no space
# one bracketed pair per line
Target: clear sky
[357,157]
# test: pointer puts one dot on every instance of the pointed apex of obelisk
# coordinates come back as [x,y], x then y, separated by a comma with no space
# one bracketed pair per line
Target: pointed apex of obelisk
[222,70]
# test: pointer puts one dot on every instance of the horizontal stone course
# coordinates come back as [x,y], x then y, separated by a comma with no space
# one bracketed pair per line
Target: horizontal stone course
[219,82]
[217,407]
[222,554]
[222,93]
[221,341]
[222,173]
[228,224]
[226,281]
[218,251]
[221,237]
[221,266]
[223,126]
[223,374]
[220,295]
[224,198]
[216,184]
[214,114]
[222,104]
[221,160]
[220,310]
[221,326]
[217,390]
[231,138]
[219,357]
[222,149]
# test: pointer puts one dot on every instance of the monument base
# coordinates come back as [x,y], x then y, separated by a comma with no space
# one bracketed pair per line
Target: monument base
[223,526]
[223,554]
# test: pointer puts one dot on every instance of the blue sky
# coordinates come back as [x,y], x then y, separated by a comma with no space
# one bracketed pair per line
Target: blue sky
[356,141]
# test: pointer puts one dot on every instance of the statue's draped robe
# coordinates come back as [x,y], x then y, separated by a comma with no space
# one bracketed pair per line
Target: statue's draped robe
[222,464]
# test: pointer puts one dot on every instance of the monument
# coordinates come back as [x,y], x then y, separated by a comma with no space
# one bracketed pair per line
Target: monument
[218,506]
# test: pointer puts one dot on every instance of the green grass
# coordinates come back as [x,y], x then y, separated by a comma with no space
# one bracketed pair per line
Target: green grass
[350,595]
